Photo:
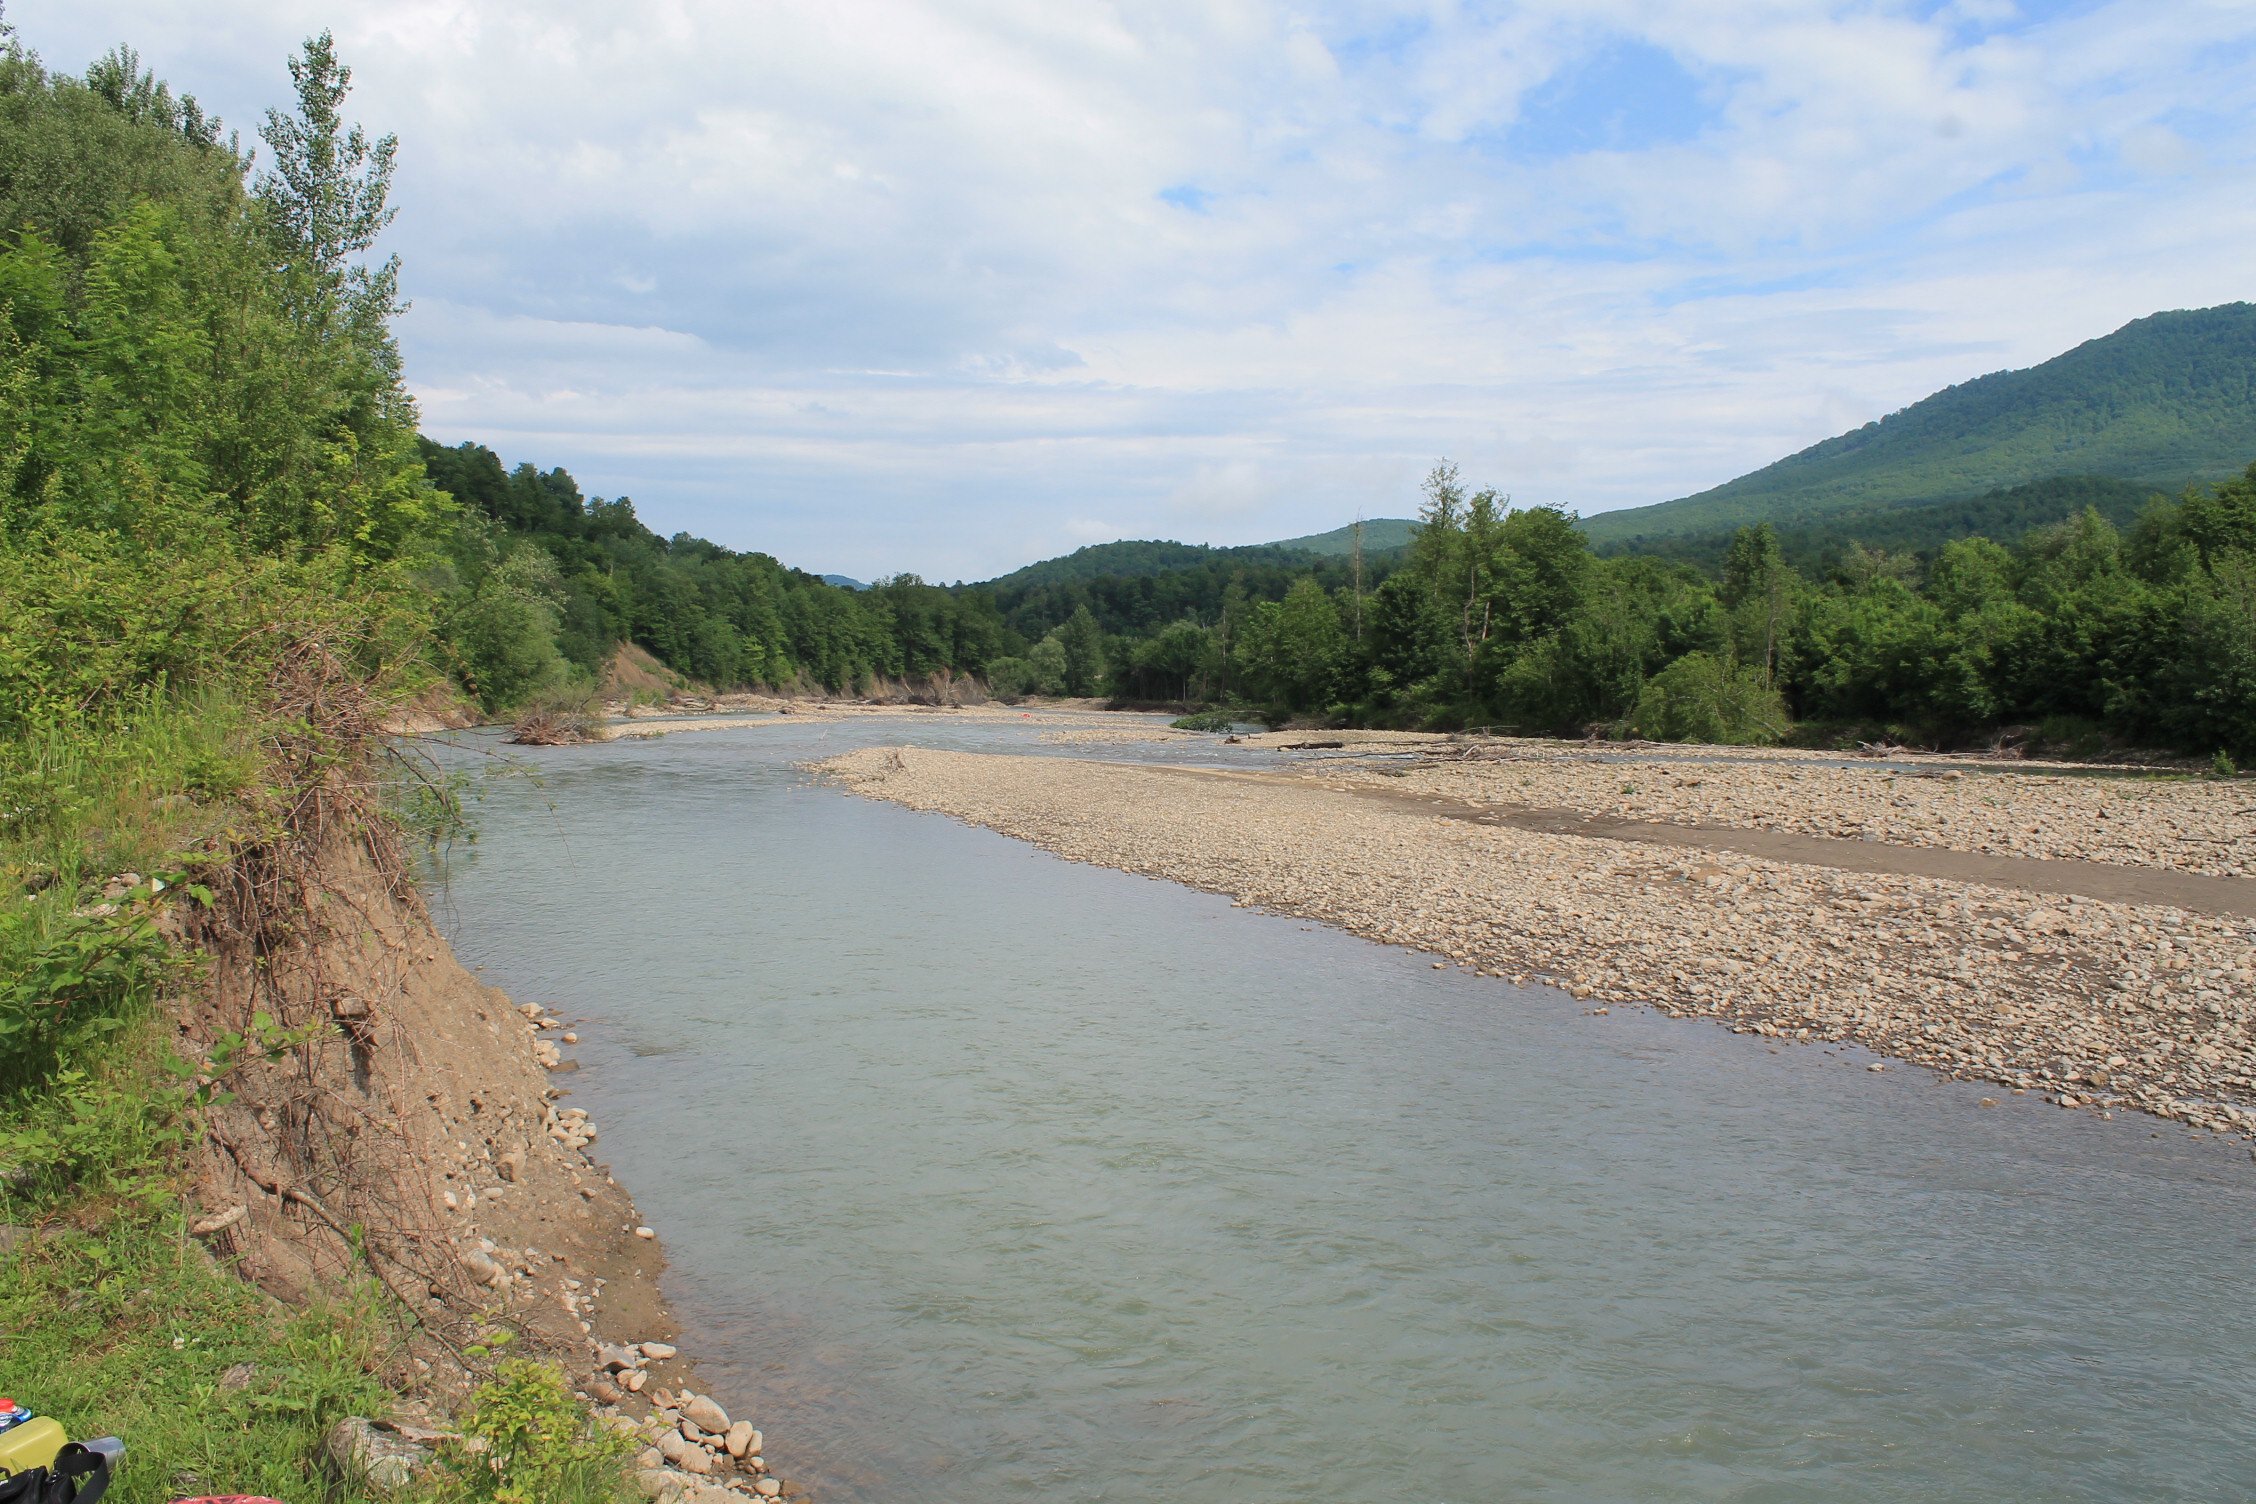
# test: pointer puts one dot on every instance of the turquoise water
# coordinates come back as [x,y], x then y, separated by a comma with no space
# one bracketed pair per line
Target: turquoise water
[990,1177]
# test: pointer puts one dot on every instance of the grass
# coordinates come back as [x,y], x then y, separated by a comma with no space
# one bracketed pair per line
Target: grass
[113,1318]
[81,805]
[117,1323]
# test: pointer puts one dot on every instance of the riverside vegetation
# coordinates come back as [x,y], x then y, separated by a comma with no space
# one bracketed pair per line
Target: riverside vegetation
[2080,635]
[222,566]
[225,558]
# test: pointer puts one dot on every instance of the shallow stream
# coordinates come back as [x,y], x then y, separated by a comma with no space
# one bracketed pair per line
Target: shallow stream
[989,1177]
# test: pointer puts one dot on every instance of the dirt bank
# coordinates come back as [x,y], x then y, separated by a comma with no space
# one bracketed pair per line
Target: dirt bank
[2102,1004]
[393,1115]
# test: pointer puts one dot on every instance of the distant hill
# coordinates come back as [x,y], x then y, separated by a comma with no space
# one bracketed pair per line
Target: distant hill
[1138,586]
[1144,556]
[2006,514]
[845,582]
[1151,556]
[1381,535]
[2161,402]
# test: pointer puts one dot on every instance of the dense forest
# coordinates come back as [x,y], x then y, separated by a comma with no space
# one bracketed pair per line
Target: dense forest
[2128,617]
[540,584]
[2081,630]
[1818,544]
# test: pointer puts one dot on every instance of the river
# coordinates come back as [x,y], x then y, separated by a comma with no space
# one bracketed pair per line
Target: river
[985,1176]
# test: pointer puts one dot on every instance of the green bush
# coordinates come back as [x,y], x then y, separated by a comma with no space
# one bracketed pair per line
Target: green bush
[535,1445]
[1701,698]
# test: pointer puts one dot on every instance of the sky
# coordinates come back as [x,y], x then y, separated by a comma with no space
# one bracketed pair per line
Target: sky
[894,285]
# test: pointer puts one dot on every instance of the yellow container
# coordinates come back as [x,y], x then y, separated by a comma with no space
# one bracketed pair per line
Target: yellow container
[32,1444]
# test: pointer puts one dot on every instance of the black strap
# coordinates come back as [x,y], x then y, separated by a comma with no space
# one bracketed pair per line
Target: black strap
[79,1475]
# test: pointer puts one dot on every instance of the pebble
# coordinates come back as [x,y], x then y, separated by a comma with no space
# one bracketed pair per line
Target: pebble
[358,1448]
[645,1232]
[708,1416]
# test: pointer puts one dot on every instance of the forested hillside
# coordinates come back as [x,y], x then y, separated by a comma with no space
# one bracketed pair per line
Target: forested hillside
[1818,544]
[542,582]
[2080,631]
[1378,535]
[2163,401]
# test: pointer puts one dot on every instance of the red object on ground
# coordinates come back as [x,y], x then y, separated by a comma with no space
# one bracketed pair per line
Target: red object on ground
[229,1499]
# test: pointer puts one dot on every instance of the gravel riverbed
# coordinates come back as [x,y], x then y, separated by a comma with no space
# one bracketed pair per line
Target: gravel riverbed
[2099,1005]
[2187,824]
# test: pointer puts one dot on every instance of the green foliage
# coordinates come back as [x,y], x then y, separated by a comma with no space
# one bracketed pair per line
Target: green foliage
[1702,698]
[1083,646]
[1205,720]
[128,1329]
[1139,589]
[326,193]
[1010,678]
[67,978]
[1045,663]
[1503,617]
[543,582]
[2162,401]
[1292,650]
[536,1444]
[93,1135]
[1376,536]
[1816,541]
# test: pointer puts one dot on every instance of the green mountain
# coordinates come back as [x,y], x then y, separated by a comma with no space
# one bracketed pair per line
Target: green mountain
[2161,402]
[1381,535]
[1151,556]
[1140,556]
[2006,514]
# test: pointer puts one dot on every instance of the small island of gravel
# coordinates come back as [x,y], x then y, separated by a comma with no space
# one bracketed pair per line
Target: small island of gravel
[2090,938]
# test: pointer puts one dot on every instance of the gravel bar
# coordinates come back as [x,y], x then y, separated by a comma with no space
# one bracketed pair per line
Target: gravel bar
[2099,1005]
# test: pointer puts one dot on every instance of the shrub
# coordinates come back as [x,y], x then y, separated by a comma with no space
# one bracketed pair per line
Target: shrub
[557,717]
[1701,698]
[538,1445]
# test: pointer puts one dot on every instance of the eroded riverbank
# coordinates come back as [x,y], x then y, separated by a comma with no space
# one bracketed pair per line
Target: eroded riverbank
[983,1175]
[2103,1004]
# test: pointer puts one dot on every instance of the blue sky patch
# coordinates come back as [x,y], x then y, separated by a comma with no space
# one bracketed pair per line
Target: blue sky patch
[1626,96]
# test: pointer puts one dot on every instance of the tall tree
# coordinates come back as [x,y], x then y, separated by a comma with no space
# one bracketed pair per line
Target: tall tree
[1083,642]
[329,186]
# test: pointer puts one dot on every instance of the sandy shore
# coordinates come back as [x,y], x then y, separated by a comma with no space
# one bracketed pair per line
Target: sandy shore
[2098,1003]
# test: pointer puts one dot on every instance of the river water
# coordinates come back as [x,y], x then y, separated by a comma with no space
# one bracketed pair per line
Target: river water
[985,1176]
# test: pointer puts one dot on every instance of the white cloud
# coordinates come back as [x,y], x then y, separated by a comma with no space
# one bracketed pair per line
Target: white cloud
[887,284]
